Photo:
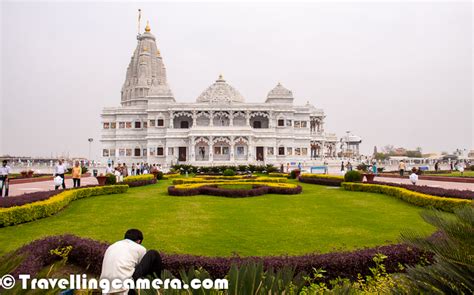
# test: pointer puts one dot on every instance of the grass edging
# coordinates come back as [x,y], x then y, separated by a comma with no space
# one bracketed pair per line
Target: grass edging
[41,209]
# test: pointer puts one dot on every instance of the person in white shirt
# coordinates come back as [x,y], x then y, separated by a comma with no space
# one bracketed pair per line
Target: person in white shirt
[4,171]
[60,170]
[128,259]
[109,169]
[413,176]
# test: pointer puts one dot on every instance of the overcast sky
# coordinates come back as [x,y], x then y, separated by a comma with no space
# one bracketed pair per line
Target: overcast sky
[394,73]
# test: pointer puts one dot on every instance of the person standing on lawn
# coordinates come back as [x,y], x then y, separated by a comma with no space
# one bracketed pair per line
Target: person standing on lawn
[414,176]
[128,259]
[60,171]
[402,167]
[4,171]
[76,174]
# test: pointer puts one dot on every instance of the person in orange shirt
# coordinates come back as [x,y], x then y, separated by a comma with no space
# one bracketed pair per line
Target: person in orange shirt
[76,174]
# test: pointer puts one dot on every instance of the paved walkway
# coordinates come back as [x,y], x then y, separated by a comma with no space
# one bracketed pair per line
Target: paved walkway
[19,189]
[433,183]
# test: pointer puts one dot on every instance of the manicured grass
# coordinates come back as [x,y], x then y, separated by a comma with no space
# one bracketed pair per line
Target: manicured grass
[236,186]
[320,219]
[454,174]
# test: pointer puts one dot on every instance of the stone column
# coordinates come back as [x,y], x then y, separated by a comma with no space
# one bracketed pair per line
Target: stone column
[194,119]
[231,118]
[232,147]
[247,118]
[211,118]
[171,119]
[192,150]
[270,119]
[211,146]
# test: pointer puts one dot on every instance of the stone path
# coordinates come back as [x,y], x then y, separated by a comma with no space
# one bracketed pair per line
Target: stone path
[19,189]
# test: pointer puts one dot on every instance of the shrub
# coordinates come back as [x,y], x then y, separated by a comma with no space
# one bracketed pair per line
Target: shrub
[229,172]
[294,173]
[51,206]
[277,174]
[259,188]
[362,167]
[159,175]
[139,180]
[353,176]
[111,179]
[434,191]
[88,254]
[242,168]
[471,168]
[321,179]
[270,168]
[171,175]
[415,198]
[453,271]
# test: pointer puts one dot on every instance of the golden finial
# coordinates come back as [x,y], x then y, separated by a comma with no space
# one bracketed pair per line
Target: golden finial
[147,28]
[221,78]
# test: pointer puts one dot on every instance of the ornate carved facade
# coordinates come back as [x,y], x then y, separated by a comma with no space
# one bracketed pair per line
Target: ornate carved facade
[220,128]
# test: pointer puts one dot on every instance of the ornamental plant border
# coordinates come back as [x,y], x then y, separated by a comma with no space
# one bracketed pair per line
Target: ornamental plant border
[88,254]
[215,180]
[51,206]
[213,190]
[433,191]
[139,180]
[415,198]
[321,179]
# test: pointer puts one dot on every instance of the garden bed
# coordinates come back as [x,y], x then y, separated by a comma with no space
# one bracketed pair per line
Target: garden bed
[88,254]
[434,191]
[321,179]
[220,190]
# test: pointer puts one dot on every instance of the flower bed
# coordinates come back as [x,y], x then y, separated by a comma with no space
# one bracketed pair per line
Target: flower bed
[277,174]
[51,206]
[213,190]
[32,197]
[230,178]
[171,175]
[415,198]
[434,191]
[88,254]
[321,179]
[139,180]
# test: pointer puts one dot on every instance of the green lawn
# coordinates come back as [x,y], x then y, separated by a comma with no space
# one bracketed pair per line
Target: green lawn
[236,186]
[320,219]
[454,174]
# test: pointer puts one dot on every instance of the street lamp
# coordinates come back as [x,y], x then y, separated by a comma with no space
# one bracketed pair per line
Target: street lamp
[90,140]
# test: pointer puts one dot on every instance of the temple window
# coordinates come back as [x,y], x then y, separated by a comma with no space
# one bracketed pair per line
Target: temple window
[106,125]
[121,125]
[128,125]
[159,151]
[105,152]
[288,123]
[152,123]
[160,122]
[281,151]
[184,125]
[257,124]
[136,152]
[281,122]
[138,124]
[289,151]
[113,125]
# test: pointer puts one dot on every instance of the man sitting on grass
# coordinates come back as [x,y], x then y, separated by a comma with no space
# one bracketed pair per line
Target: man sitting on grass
[128,259]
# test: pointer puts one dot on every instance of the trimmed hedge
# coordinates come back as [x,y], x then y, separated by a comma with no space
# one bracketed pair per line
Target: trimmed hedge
[171,175]
[415,198]
[214,190]
[321,179]
[88,254]
[139,180]
[434,191]
[277,174]
[228,179]
[51,206]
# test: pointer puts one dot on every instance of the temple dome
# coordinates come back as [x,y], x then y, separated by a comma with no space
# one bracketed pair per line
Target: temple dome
[280,94]
[220,92]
